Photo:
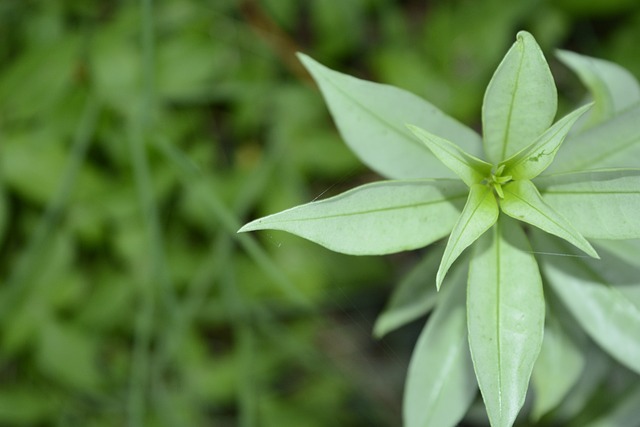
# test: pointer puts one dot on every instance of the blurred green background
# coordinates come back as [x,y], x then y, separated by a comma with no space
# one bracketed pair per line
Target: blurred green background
[136,137]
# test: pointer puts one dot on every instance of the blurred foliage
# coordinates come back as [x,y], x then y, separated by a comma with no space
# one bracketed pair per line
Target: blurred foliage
[134,140]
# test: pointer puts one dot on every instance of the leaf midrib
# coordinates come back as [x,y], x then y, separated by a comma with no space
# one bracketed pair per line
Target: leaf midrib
[512,107]
[364,212]
[498,314]
[535,208]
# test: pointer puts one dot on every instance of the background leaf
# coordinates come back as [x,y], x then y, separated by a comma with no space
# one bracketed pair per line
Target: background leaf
[585,151]
[440,382]
[413,297]
[613,88]
[505,311]
[520,101]
[379,218]
[596,298]
[601,204]
[623,413]
[371,118]
[559,366]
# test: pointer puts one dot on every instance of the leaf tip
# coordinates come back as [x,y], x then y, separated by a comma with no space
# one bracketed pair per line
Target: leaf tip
[250,226]
[439,279]
[303,57]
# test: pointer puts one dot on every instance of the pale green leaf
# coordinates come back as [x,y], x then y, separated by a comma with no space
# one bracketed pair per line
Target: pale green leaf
[520,102]
[601,204]
[593,292]
[523,202]
[505,310]
[558,367]
[626,250]
[613,88]
[371,118]
[479,214]
[623,413]
[597,368]
[614,143]
[470,169]
[413,297]
[440,383]
[378,218]
[535,158]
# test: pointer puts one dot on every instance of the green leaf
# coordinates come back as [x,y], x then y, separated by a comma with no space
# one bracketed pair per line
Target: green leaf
[535,158]
[597,369]
[613,88]
[595,298]
[626,250]
[479,214]
[595,373]
[623,413]
[523,202]
[505,311]
[440,383]
[470,169]
[413,297]
[520,102]
[587,151]
[378,218]
[371,120]
[558,367]
[601,204]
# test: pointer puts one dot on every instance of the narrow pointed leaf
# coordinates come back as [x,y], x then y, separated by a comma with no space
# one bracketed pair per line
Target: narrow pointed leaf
[371,120]
[532,160]
[587,151]
[379,218]
[413,297]
[440,383]
[596,299]
[601,204]
[523,202]
[470,169]
[613,88]
[479,214]
[520,102]
[505,315]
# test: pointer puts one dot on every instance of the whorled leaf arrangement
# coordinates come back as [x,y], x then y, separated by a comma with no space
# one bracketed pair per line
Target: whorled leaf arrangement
[510,203]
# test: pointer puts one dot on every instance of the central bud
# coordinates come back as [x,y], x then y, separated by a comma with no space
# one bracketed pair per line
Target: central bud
[496,180]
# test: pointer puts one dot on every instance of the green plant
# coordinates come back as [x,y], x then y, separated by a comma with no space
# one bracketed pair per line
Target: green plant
[518,222]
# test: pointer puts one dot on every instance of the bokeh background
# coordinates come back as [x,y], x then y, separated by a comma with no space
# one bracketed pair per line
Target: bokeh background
[137,136]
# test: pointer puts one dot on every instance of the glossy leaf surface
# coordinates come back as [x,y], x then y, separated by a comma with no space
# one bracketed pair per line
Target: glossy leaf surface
[479,214]
[505,309]
[520,102]
[378,218]
[523,202]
